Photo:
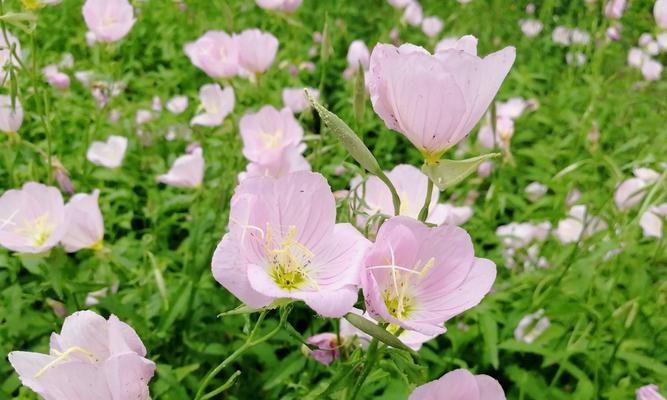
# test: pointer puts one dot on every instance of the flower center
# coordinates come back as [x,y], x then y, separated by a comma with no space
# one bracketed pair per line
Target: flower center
[108,20]
[272,140]
[289,263]
[38,230]
[66,355]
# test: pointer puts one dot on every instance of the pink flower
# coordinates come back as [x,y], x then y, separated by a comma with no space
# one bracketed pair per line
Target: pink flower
[578,225]
[85,224]
[636,57]
[358,54]
[629,193]
[399,3]
[279,5]
[177,104]
[216,53]
[291,160]
[531,27]
[267,133]
[413,14]
[57,79]
[217,104]
[257,50]
[460,384]
[531,327]
[614,8]
[11,119]
[92,358]
[651,220]
[516,235]
[651,69]
[562,35]
[535,191]
[108,154]
[431,26]
[143,116]
[327,344]
[109,20]
[187,171]
[283,242]
[614,32]
[660,13]
[649,392]
[512,108]
[418,277]
[435,101]
[32,219]
[410,184]
[295,98]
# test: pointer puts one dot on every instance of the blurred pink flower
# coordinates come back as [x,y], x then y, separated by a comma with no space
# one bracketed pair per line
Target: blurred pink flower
[535,191]
[108,154]
[578,225]
[85,224]
[485,169]
[460,384]
[413,14]
[629,193]
[651,220]
[217,104]
[267,133]
[399,3]
[410,184]
[516,235]
[216,53]
[32,219]
[55,78]
[279,5]
[143,116]
[295,98]
[92,358]
[418,277]
[649,392]
[531,326]
[660,13]
[291,160]
[614,8]
[257,50]
[431,26]
[651,69]
[327,348]
[284,242]
[531,27]
[186,172]
[357,54]
[109,20]
[614,32]
[177,104]
[11,119]
[435,100]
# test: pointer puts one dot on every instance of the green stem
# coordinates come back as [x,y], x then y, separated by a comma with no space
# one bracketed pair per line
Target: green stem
[423,214]
[224,386]
[371,359]
[394,195]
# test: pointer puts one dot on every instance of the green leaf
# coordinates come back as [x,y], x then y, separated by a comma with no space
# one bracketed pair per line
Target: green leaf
[406,365]
[359,94]
[244,309]
[489,329]
[643,361]
[347,137]
[447,173]
[377,332]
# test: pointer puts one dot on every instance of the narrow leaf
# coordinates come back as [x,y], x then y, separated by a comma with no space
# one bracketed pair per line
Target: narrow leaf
[347,137]
[359,94]
[244,309]
[377,332]
[447,173]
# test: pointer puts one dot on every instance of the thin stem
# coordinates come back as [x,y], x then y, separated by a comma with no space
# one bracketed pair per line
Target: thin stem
[224,386]
[423,214]
[371,359]
[395,199]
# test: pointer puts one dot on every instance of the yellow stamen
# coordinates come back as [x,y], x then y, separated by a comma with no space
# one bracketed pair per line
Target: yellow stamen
[289,263]
[271,140]
[63,356]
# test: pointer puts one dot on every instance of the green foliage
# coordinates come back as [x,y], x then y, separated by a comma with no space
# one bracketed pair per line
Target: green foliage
[608,332]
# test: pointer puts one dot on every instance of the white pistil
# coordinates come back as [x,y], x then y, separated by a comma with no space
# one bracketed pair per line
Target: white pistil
[64,355]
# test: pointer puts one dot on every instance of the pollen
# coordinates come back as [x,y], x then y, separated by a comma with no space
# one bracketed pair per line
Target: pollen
[289,262]
[271,140]
[38,230]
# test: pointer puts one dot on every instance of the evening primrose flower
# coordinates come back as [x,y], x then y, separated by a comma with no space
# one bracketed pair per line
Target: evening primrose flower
[85,224]
[217,104]
[651,220]
[327,348]
[11,117]
[279,5]
[418,277]
[216,53]
[649,392]
[431,26]
[295,98]
[92,358]
[177,104]
[291,160]
[410,182]
[460,384]
[660,13]
[109,20]
[284,243]
[267,133]
[108,154]
[579,224]
[435,100]
[531,326]
[257,50]
[186,172]
[32,219]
